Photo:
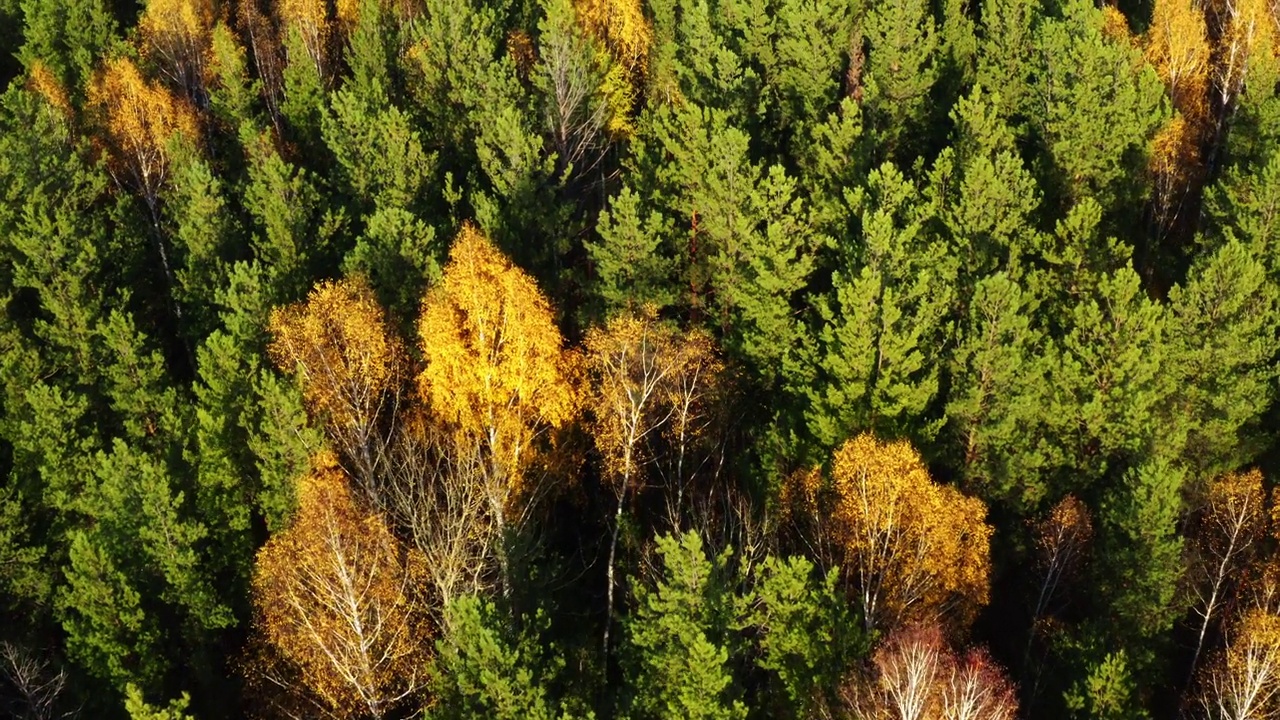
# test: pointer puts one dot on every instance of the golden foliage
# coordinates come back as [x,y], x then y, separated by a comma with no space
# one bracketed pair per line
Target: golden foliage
[622,27]
[349,363]
[620,99]
[1246,34]
[1175,152]
[308,15]
[140,118]
[1177,46]
[1224,534]
[496,371]
[348,11]
[522,51]
[333,598]
[190,18]
[1116,26]
[1243,682]
[310,19]
[916,551]
[1065,533]
[50,88]
[1233,510]
[176,35]
[652,393]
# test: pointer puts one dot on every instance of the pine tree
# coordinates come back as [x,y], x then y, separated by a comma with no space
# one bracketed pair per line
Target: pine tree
[488,670]
[678,638]
[380,157]
[750,245]
[1007,56]
[989,201]
[996,402]
[67,37]
[903,64]
[1111,381]
[885,321]
[630,262]
[1140,575]
[1223,321]
[1100,107]
[808,639]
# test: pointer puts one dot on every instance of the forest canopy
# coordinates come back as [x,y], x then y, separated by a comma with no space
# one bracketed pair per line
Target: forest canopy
[646,359]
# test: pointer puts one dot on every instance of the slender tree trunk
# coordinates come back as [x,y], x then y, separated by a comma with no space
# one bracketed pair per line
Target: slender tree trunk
[613,554]
[1208,611]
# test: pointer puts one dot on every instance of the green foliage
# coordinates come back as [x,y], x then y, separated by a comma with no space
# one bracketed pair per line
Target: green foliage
[1111,379]
[401,256]
[67,36]
[25,575]
[485,669]
[996,406]
[282,442]
[836,155]
[988,199]
[800,47]
[371,52]
[678,638]
[203,234]
[740,236]
[1223,321]
[1007,56]
[233,96]
[139,709]
[630,268]
[1100,106]
[887,319]
[138,554]
[380,157]
[304,89]
[695,59]
[902,66]
[293,226]
[808,637]
[223,490]
[931,220]
[1142,562]
[1107,693]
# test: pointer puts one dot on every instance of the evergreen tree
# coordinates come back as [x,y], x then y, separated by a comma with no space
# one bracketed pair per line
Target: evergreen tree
[995,407]
[67,37]
[886,320]
[1099,105]
[1223,325]
[1112,380]
[678,639]
[1141,566]
[630,265]
[1007,57]
[903,64]
[485,669]
[988,200]
[808,638]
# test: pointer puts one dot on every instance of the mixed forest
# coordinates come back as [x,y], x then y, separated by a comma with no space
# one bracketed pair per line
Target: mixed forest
[645,359]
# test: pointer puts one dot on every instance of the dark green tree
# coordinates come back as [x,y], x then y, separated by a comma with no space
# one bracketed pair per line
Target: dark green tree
[1098,106]
[678,639]
[886,320]
[902,67]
